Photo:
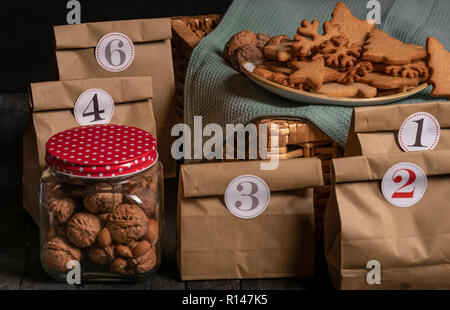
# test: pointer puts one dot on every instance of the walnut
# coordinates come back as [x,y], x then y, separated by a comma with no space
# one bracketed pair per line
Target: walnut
[83,228]
[57,253]
[102,202]
[262,40]
[145,195]
[144,258]
[241,38]
[245,53]
[60,206]
[127,223]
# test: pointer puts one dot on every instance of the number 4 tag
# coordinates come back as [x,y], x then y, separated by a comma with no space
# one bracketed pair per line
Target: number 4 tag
[93,107]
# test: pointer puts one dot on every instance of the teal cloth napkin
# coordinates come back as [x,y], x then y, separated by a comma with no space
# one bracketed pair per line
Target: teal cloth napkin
[221,95]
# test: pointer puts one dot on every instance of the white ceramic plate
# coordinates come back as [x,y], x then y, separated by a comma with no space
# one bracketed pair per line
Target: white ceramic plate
[311,98]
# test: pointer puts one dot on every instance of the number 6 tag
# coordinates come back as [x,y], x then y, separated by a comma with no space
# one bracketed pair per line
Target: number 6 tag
[404,184]
[114,52]
[94,106]
[247,196]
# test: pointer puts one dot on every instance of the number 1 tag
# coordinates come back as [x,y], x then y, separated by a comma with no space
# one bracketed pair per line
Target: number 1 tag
[404,184]
[419,132]
[247,196]
[94,106]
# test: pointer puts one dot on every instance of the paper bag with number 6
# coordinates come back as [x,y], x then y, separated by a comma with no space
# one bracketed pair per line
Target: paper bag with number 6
[52,111]
[138,47]
[372,241]
[375,130]
[214,243]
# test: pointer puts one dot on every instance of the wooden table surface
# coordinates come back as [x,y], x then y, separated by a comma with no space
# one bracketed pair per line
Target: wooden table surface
[19,237]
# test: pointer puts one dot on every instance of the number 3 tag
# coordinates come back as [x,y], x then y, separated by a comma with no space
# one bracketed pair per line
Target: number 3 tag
[114,52]
[404,184]
[247,196]
[94,106]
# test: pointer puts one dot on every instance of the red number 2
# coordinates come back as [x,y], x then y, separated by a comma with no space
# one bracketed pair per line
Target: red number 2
[398,179]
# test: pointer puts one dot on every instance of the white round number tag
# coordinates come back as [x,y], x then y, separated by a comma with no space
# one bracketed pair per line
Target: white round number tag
[114,52]
[404,184]
[247,196]
[94,106]
[419,132]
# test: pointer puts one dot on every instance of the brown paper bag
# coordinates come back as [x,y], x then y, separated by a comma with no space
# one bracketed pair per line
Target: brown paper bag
[374,129]
[212,243]
[411,244]
[52,106]
[75,56]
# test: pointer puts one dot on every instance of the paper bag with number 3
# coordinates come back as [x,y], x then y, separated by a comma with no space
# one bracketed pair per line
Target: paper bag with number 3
[374,130]
[126,48]
[371,243]
[52,111]
[213,243]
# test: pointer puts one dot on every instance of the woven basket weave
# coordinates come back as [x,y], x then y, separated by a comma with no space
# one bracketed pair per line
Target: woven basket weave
[295,138]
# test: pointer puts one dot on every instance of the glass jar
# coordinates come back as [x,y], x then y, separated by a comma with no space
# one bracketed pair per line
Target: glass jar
[101,204]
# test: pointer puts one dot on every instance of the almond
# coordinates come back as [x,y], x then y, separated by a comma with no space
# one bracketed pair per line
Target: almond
[124,251]
[104,238]
[119,265]
[152,232]
[143,247]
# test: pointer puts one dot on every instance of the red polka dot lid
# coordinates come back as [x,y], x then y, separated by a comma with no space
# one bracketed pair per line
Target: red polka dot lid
[101,151]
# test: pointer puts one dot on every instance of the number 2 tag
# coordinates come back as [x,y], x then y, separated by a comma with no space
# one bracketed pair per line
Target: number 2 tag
[419,132]
[114,52]
[94,106]
[247,196]
[404,184]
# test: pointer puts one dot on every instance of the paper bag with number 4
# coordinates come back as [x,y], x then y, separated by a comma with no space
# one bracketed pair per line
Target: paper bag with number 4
[375,130]
[396,240]
[138,47]
[213,243]
[52,111]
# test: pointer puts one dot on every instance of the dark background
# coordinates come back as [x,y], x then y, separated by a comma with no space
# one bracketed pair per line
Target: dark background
[26,33]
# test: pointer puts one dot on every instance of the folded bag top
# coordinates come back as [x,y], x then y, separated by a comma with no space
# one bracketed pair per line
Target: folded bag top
[212,179]
[87,35]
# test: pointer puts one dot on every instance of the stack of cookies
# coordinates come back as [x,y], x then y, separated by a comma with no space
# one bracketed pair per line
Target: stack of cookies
[352,58]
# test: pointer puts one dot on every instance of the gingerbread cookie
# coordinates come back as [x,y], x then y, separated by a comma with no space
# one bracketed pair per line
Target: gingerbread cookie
[380,80]
[381,47]
[439,64]
[412,70]
[353,74]
[308,40]
[339,53]
[313,73]
[280,52]
[354,29]
[355,90]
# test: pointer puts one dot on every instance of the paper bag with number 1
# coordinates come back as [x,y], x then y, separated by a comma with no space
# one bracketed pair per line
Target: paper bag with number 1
[375,129]
[369,239]
[151,55]
[213,243]
[52,111]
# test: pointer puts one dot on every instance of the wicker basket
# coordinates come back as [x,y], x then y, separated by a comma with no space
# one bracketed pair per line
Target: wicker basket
[295,138]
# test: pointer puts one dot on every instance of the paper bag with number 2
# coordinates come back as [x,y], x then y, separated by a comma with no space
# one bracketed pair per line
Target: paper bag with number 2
[411,244]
